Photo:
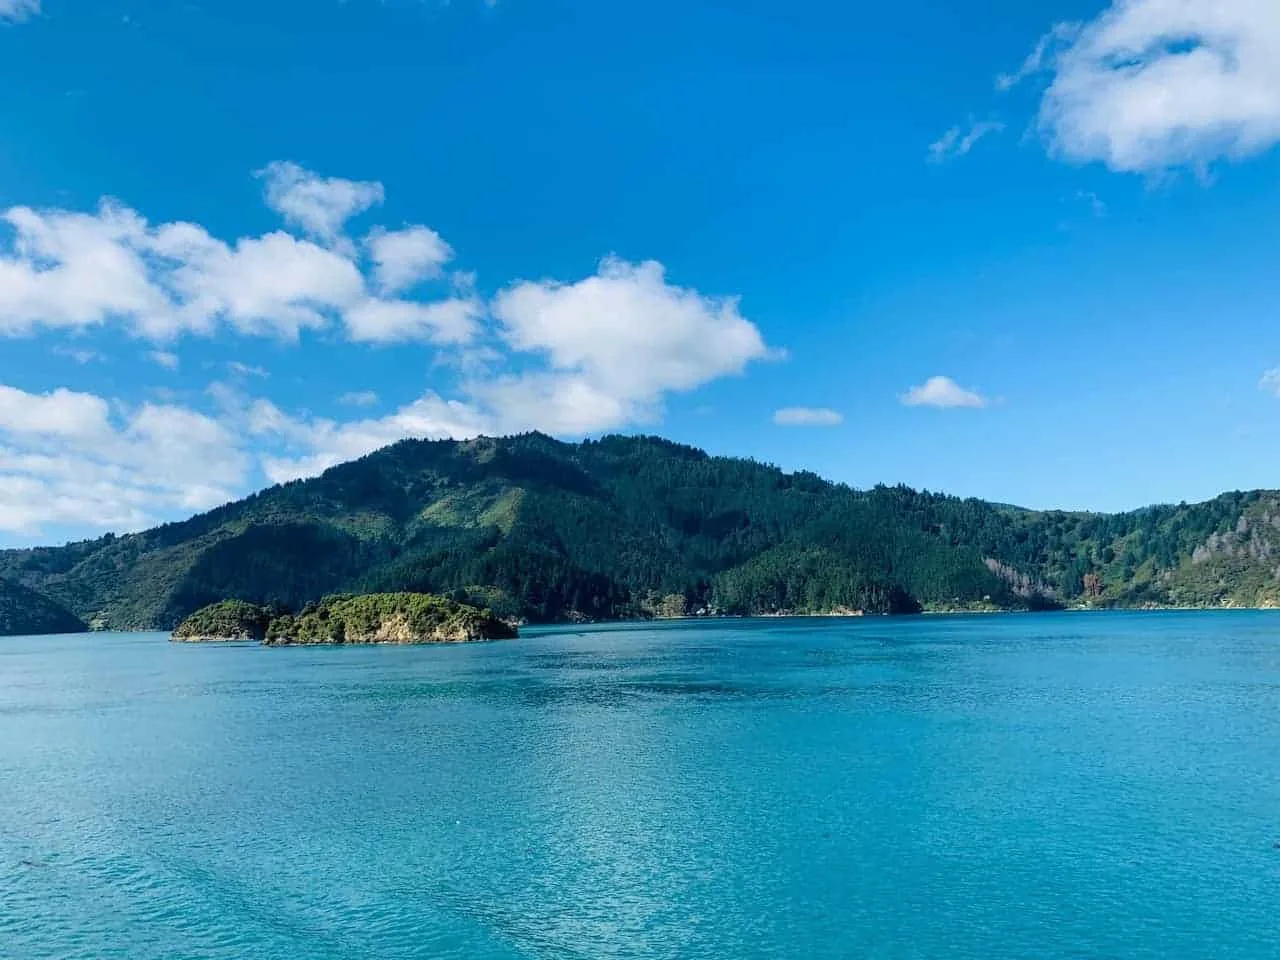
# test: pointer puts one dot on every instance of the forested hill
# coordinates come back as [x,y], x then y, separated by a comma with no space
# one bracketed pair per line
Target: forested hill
[624,526]
[25,612]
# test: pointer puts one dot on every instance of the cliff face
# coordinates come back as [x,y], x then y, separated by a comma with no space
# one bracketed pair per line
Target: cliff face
[1237,565]
[404,618]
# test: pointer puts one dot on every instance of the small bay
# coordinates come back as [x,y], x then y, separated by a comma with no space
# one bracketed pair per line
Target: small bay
[1051,786]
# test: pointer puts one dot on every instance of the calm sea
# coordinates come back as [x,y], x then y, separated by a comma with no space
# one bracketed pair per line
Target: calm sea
[1022,787]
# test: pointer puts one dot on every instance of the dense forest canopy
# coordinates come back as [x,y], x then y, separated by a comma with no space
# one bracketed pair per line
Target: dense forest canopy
[25,612]
[534,528]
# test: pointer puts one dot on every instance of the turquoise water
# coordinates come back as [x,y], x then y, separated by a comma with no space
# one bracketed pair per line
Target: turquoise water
[1062,786]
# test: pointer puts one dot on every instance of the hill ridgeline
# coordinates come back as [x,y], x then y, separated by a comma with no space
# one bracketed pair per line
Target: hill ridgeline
[539,530]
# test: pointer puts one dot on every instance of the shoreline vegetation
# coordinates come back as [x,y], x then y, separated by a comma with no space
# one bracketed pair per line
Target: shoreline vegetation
[929,612]
[235,621]
[389,618]
[538,531]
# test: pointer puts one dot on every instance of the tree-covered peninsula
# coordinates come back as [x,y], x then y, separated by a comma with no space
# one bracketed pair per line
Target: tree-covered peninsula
[387,618]
[543,531]
[23,612]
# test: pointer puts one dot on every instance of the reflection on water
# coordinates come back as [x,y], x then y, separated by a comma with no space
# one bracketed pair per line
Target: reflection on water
[971,787]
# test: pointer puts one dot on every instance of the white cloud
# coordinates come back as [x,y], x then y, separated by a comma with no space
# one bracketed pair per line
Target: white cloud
[246,369]
[1151,85]
[405,257]
[942,392]
[275,284]
[807,417]
[558,403]
[358,398]
[320,206]
[74,270]
[452,321]
[69,270]
[600,353]
[615,343]
[16,11]
[61,413]
[314,444]
[1270,382]
[958,141]
[164,358]
[67,459]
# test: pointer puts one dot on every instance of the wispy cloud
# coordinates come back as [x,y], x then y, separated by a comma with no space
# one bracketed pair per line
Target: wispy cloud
[164,358]
[807,417]
[358,398]
[17,11]
[943,393]
[246,370]
[1095,203]
[959,140]
[1270,382]
[1041,56]
[81,355]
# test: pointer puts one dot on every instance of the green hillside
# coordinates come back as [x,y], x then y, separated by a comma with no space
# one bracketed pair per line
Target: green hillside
[538,529]
[24,612]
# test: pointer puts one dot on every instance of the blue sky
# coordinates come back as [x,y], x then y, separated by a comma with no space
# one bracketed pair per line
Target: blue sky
[1019,251]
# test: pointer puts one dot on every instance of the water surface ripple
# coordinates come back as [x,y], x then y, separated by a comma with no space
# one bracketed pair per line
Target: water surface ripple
[1069,786]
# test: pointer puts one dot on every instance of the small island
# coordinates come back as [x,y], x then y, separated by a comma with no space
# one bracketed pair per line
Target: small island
[380,618]
[225,622]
